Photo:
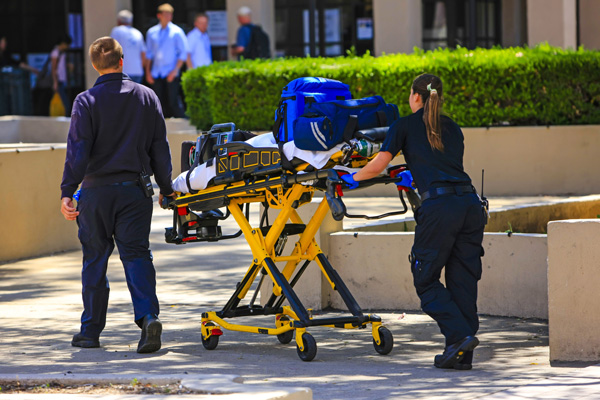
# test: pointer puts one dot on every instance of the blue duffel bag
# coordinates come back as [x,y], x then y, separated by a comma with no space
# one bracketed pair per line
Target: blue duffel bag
[324,125]
[297,94]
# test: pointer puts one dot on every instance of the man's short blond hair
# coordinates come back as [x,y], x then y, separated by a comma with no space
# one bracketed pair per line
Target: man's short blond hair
[166,7]
[105,53]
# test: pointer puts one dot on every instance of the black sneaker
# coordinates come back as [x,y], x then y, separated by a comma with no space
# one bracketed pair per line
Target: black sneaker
[82,341]
[454,354]
[151,331]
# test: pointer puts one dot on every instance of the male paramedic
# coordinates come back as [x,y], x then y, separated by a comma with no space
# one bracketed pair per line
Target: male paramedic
[117,138]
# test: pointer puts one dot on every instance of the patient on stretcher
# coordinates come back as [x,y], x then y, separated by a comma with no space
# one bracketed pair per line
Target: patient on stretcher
[201,176]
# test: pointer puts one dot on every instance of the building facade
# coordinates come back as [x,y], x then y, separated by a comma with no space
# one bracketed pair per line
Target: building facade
[315,27]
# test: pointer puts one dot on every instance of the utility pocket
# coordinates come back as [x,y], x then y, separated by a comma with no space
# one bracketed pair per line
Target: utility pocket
[422,267]
[315,132]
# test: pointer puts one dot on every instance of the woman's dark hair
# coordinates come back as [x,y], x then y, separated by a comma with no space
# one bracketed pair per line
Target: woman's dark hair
[429,88]
[64,39]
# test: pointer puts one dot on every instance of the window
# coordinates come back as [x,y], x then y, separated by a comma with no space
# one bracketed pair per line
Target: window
[466,23]
[345,24]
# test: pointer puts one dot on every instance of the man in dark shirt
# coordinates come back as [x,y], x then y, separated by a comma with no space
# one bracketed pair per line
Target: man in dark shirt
[117,134]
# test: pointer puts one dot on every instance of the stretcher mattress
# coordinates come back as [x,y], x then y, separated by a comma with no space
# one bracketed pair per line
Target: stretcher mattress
[201,176]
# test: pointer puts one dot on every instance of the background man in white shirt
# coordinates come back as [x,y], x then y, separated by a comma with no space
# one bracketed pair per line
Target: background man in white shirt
[132,42]
[199,43]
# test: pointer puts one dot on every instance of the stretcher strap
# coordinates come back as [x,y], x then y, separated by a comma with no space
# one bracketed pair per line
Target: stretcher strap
[187,181]
[285,163]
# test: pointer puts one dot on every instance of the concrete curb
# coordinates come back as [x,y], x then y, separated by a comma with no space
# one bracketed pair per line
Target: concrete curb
[226,387]
[582,384]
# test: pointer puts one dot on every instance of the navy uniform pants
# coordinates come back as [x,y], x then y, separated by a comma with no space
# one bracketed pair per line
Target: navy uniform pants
[449,233]
[109,214]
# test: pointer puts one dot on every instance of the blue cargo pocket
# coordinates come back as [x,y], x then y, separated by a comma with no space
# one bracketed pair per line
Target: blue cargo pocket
[314,132]
[423,269]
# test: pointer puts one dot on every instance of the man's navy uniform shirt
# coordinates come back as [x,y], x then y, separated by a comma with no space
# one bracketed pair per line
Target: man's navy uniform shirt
[116,127]
[430,168]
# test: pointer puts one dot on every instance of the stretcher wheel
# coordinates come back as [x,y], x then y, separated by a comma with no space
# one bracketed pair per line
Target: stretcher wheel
[286,337]
[310,348]
[387,341]
[212,342]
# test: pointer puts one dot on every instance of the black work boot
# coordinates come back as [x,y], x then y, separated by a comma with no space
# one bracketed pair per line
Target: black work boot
[455,353]
[466,363]
[463,365]
[85,342]
[151,331]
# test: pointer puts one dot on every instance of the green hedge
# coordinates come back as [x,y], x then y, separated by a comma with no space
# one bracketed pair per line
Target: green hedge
[515,86]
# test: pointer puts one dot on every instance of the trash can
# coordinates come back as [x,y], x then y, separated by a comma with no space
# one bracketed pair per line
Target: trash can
[15,92]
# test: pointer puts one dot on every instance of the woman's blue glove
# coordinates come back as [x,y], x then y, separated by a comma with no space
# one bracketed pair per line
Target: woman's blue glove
[407,179]
[349,179]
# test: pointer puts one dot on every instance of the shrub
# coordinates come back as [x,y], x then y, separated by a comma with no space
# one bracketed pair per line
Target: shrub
[514,86]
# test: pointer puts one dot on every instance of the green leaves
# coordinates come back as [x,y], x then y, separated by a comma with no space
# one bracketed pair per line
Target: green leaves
[516,86]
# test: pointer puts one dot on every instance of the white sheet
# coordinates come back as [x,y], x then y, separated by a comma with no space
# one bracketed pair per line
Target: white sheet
[202,174]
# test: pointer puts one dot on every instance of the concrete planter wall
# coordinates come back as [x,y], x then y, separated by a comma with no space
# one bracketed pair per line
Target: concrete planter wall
[18,129]
[31,173]
[30,206]
[527,160]
[375,267]
[521,161]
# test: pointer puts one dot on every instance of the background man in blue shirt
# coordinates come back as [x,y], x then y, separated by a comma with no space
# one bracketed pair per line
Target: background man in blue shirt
[117,133]
[167,50]
[199,43]
[244,33]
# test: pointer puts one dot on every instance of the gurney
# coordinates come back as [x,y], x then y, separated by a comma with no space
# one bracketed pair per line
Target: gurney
[245,174]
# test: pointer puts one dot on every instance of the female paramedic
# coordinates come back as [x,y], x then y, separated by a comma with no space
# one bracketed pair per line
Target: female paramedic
[450,221]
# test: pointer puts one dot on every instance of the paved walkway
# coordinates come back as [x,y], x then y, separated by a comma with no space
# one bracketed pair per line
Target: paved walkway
[40,305]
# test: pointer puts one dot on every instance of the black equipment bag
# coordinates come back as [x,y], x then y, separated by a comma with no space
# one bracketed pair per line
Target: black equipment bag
[259,46]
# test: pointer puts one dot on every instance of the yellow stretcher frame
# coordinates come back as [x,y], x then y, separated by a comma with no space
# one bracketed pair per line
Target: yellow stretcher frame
[286,193]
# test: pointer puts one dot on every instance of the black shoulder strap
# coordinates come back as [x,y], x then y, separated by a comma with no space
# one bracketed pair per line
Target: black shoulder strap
[382,118]
[350,128]
[187,182]
[279,120]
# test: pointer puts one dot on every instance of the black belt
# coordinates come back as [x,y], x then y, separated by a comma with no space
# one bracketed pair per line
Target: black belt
[126,183]
[459,190]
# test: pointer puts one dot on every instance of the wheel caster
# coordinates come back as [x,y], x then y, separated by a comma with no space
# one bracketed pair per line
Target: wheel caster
[387,341]
[310,348]
[212,342]
[285,337]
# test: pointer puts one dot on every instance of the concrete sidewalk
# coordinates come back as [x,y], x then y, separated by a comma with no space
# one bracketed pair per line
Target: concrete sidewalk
[40,306]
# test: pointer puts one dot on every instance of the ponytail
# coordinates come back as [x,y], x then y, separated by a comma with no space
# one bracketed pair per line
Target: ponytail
[430,89]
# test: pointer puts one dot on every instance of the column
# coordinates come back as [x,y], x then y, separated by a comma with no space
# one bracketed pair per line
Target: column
[398,26]
[552,21]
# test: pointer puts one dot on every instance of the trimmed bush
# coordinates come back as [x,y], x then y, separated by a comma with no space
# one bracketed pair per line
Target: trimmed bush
[514,86]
